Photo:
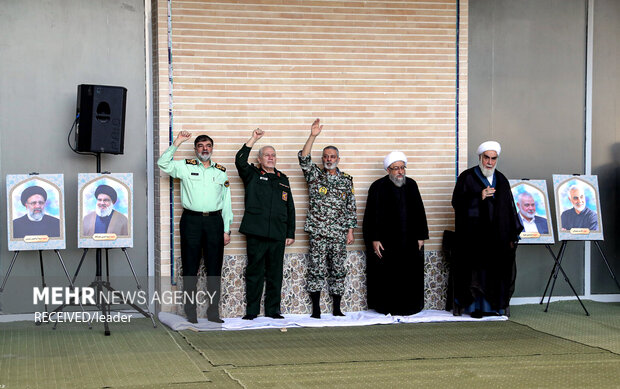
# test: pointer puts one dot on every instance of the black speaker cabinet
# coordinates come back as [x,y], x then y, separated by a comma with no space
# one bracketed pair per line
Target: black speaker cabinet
[101,120]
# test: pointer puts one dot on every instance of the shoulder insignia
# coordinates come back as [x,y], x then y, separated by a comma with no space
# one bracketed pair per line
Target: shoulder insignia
[218,166]
[227,184]
[347,176]
[191,162]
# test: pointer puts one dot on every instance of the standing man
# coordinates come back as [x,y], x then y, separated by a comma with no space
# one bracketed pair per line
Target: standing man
[395,229]
[487,230]
[580,216]
[331,219]
[268,225]
[104,219]
[206,219]
[527,214]
[35,221]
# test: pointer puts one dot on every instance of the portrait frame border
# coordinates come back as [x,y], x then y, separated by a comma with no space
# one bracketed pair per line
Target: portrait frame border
[55,180]
[540,185]
[126,181]
[590,180]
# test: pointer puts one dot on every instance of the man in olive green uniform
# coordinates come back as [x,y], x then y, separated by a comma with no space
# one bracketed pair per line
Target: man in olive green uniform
[206,219]
[268,224]
[330,223]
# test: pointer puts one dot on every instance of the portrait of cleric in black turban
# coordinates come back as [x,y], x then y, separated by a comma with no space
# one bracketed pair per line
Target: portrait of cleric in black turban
[105,218]
[38,216]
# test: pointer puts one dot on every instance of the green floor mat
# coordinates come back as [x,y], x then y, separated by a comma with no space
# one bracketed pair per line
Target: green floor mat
[74,356]
[542,371]
[568,320]
[377,343]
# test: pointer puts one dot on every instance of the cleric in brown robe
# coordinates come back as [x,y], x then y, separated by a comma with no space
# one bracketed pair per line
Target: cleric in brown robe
[487,230]
[394,232]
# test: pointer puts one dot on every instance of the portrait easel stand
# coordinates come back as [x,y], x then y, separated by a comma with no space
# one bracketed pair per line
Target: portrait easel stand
[6,277]
[100,285]
[557,267]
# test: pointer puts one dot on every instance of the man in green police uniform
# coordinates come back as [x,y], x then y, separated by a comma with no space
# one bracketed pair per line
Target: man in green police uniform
[206,219]
[268,224]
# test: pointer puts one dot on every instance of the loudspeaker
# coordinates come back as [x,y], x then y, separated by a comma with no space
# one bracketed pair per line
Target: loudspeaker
[100,116]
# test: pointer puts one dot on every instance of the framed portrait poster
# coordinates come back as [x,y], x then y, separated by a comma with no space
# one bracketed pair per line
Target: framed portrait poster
[105,210]
[532,202]
[36,212]
[578,207]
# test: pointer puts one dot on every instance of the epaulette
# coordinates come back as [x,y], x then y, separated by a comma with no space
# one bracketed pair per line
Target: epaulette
[191,162]
[218,166]
[347,176]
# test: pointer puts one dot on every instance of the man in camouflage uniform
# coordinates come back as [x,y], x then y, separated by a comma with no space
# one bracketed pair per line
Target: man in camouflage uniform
[330,223]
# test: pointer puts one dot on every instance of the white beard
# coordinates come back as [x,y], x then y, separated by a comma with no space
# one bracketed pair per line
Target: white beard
[581,208]
[486,172]
[35,217]
[528,215]
[330,166]
[398,181]
[203,157]
[103,212]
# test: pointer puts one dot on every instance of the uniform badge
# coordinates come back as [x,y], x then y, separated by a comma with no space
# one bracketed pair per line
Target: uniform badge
[344,196]
[323,190]
[284,195]
[227,184]
[220,167]
[191,162]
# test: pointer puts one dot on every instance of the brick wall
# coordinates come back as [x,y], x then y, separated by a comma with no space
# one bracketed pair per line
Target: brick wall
[379,74]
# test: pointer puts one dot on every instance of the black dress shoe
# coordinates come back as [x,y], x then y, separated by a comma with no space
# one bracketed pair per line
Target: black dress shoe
[215,319]
[190,312]
[477,314]
[275,316]
[249,317]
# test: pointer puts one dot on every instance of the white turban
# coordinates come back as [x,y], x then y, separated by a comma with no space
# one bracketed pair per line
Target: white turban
[490,145]
[393,157]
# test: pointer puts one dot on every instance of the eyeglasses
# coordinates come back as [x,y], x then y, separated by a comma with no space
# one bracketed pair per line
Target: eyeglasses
[397,168]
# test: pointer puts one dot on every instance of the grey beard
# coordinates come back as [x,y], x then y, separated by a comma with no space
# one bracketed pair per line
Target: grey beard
[397,181]
[486,172]
[203,157]
[103,212]
[35,217]
[330,166]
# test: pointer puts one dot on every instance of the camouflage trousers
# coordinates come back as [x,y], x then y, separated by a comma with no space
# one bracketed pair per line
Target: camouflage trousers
[327,262]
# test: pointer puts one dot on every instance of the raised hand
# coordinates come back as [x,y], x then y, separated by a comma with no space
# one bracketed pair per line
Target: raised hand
[182,137]
[257,134]
[316,128]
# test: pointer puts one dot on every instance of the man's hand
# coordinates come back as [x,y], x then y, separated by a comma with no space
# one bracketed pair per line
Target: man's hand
[289,241]
[256,135]
[350,238]
[316,128]
[420,244]
[377,247]
[226,239]
[182,137]
[487,192]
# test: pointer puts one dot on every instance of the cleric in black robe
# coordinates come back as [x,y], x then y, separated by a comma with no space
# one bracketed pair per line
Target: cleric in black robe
[394,232]
[35,221]
[487,230]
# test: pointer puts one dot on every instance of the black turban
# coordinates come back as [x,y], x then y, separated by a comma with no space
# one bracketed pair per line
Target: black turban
[108,190]
[31,191]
